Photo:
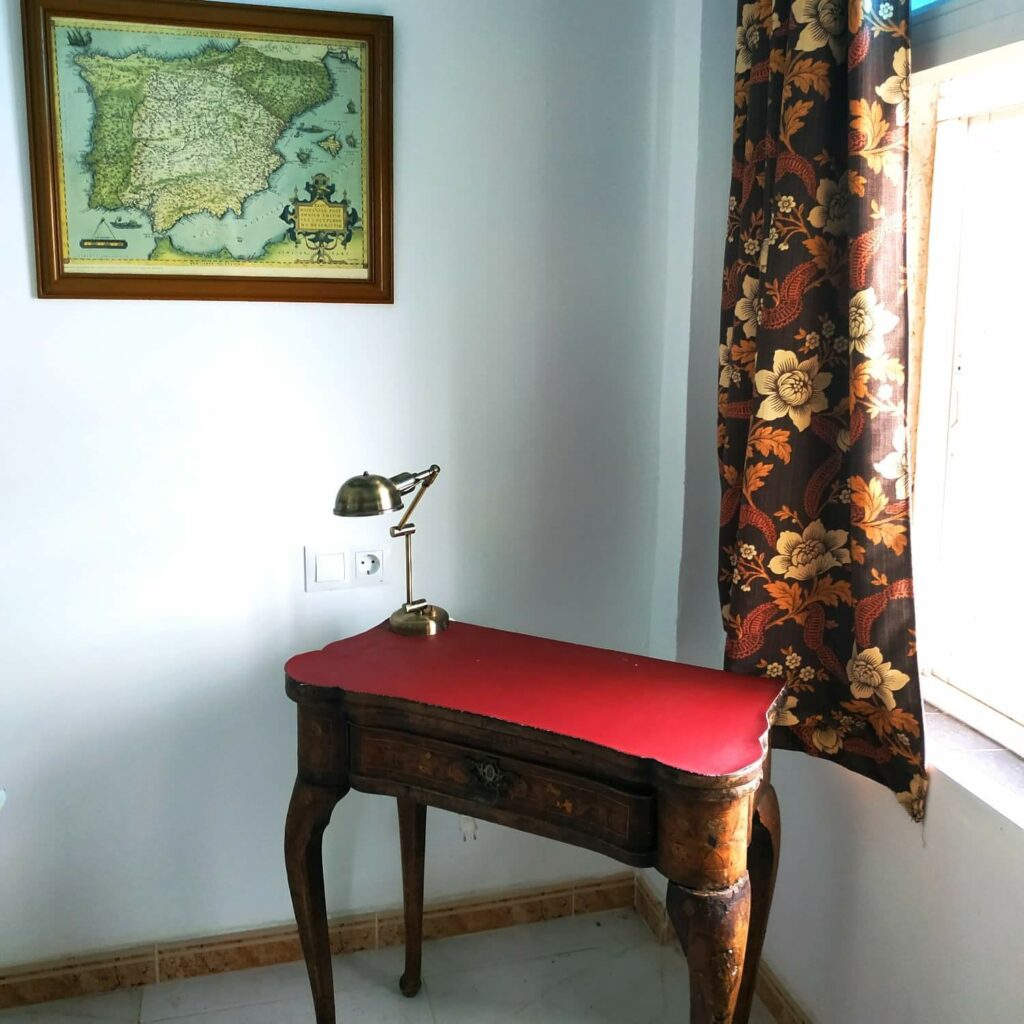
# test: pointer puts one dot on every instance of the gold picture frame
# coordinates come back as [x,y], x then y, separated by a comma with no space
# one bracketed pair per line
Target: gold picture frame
[199,150]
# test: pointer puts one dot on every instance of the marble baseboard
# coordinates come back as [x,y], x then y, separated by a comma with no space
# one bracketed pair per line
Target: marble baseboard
[778,1002]
[770,990]
[152,963]
[84,976]
[652,910]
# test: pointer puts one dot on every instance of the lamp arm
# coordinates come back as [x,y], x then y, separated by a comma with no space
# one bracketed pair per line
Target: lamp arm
[405,482]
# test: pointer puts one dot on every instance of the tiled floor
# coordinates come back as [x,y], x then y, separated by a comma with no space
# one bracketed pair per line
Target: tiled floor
[596,969]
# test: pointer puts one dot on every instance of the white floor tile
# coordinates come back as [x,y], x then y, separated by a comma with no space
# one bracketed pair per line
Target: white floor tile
[380,970]
[173,1000]
[120,1007]
[639,985]
[514,992]
[189,996]
[615,929]
[360,1006]
[288,1011]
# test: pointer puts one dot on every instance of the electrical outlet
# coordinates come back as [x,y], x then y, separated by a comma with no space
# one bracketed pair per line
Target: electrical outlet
[369,567]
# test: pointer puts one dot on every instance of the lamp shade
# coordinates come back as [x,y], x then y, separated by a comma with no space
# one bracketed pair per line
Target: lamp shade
[367,495]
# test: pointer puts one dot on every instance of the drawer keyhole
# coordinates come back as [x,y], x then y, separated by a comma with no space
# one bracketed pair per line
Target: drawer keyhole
[489,776]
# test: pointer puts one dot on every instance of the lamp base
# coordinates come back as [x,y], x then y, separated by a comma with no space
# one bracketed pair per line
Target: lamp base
[427,620]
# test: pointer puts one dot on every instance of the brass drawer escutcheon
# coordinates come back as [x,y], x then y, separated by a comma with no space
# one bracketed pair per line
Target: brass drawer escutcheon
[488,775]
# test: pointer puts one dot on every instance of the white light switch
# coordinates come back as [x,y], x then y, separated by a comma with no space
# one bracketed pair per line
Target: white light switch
[326,570]
[330,567]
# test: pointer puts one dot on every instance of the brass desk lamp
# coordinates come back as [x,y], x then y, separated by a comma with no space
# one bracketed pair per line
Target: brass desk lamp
[372,495]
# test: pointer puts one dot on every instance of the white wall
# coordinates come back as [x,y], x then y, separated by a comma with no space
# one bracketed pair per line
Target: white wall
[874,919]
[161,466]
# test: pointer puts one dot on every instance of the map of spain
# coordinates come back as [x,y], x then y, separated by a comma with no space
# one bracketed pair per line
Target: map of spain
[209,149]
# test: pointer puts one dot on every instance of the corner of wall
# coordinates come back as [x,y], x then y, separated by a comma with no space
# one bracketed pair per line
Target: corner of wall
[699,635]
[677,105]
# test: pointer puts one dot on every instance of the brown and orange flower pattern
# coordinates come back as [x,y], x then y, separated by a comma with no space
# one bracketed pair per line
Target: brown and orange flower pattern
[815,575]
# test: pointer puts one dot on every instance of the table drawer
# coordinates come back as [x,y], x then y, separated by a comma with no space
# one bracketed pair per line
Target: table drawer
[621,818]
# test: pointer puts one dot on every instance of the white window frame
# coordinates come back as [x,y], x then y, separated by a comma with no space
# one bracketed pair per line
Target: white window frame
[965,90]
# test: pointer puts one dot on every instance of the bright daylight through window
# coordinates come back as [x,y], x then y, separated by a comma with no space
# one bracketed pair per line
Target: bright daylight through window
[966,461]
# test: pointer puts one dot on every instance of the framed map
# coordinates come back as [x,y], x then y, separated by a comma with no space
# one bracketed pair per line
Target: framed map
[194,150]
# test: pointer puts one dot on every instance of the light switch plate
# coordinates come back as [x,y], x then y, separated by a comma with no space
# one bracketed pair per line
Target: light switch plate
[326,570]
[330,566]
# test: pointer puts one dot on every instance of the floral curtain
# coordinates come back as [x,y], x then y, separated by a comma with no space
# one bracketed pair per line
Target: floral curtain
[815,574]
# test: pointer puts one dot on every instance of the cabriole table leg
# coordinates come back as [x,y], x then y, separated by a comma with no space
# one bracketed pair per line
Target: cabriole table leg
[763,865]
[712,927]
[703,837]
[308,815]
[412,827]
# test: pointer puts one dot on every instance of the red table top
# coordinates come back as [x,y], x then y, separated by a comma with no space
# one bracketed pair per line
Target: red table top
[698,720]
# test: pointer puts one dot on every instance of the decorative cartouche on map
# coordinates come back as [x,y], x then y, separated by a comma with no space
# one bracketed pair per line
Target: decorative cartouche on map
[103,238]
[319,223]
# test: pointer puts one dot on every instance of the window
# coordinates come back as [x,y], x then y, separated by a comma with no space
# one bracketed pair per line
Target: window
[970,459]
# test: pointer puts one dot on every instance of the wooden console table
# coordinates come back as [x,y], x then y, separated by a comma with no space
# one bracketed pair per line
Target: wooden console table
[651,762]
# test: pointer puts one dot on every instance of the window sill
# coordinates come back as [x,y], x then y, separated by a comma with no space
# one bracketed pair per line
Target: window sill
[992,773]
